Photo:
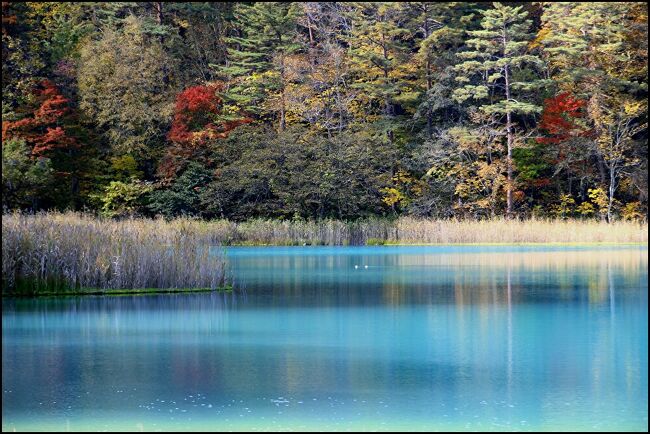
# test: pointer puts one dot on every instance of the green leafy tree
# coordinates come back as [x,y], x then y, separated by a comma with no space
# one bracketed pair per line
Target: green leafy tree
[25,180]
[183,196]
[123,89]
[124,199]
[22,61]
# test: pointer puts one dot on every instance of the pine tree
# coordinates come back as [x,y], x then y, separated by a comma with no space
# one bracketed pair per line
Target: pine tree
[378,58]
[498,55]
[439,29]
[591,44]
[262,39]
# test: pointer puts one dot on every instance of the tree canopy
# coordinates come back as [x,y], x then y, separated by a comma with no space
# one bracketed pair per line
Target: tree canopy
[326,109]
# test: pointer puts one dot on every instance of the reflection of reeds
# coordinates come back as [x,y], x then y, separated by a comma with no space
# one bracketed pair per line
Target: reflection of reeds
[67,252]
[547,261]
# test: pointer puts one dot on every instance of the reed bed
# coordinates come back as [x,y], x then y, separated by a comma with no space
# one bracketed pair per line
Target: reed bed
[300,232]
[406,230]
[58,252]
[501,230]
[69,252]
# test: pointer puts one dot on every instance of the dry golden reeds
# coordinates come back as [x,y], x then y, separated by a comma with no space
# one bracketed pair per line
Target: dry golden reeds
[501,230]
[408,230]
[58,252]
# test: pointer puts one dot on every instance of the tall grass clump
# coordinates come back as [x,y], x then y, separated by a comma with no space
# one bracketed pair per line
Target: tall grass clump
[60,252]
[326,232]
[408,230]
[501,230]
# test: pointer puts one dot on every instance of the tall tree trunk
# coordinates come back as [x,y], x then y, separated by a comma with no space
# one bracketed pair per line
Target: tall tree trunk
[510,143]
[282,86]
[312,60]
[428,71]
[159,13]
[283,122]
[388,107]
[601,169]
[282,96]
[611,191]
[429,84]
[159,18]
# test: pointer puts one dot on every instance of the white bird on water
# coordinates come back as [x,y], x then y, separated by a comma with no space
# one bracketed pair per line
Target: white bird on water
[356,266]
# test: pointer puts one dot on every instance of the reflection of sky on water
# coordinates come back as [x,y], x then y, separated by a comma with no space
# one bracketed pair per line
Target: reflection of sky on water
[478,339]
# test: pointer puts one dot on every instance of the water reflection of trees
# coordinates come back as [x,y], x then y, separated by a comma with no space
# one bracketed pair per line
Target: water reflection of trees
[330,280]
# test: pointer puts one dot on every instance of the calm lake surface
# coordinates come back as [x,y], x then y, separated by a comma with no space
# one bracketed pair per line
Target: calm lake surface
[424,338]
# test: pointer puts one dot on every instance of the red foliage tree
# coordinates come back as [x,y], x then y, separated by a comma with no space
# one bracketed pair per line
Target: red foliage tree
[43,131]
[559,119]
[562,124]
[196,122]
[195,115]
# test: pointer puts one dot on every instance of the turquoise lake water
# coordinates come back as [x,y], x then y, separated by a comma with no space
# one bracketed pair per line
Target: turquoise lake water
[347,338]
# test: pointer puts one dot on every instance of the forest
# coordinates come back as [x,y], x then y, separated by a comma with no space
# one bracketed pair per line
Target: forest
[326,110]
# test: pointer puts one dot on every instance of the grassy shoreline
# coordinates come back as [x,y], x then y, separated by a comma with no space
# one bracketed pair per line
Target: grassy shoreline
[412,231]
[397,244]
[63,253]
[551,243]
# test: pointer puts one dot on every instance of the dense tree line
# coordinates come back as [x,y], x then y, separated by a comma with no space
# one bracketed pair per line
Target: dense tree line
[326,109]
